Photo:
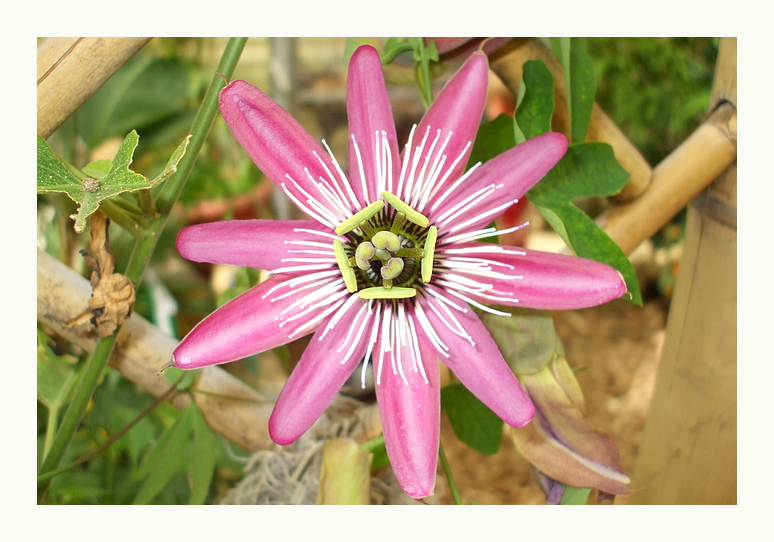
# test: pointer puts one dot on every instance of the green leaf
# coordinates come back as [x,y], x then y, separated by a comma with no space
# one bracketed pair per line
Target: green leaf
[203,460]
[167,457]
[575,495]
[588,169]
[581,92]
[494,137]
[472,421]
[526,339]
[378,451]
[173,375]
[56,375]
[536,108]
[98,169]
[589,241]
[54,176]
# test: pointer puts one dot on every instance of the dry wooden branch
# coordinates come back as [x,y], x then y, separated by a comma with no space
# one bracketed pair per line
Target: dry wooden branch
[233,409]
[508,64]
[71,69]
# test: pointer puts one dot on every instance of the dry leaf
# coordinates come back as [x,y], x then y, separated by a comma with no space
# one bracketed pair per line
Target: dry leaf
[113,297]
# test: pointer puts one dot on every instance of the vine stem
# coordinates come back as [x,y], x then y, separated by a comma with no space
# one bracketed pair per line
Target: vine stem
[447,471]
[140,258]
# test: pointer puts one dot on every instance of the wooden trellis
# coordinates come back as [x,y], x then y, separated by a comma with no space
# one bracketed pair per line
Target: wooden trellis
[688,452]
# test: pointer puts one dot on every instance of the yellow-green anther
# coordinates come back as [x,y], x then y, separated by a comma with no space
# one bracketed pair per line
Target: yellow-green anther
[417,218]
[392,268]
[350,280]
[363,254]
[358,218]
[397,222]
[386,240]
[427,259]
[383,293]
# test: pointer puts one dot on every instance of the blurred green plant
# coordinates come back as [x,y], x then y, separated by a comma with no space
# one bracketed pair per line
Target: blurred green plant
[655,89]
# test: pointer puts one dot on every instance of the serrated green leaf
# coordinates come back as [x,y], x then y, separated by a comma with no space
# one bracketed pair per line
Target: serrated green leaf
[56,375]
[536,107]
[472,421]
[575,495]
[203,459]
[98,169]
[54,176]
[494,137]
[526,339]
[588,169]
[167,457]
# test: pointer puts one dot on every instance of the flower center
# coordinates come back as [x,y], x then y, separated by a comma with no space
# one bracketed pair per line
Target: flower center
[389,250]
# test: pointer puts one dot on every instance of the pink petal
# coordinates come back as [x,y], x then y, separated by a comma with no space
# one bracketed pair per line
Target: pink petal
[261,244]
[480,366]
[323,368]
[256,321]
[548,281]
[369,111]
[411,419]
[458,108]
[277,143]
[511,174]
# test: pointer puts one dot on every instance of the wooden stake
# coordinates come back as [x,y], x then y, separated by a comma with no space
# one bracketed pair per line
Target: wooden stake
[71,69]
[688,450]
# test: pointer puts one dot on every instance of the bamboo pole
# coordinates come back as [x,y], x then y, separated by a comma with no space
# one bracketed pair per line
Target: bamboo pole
[231,408]
[680,177]
[72,69]
[508,64]
[688,450]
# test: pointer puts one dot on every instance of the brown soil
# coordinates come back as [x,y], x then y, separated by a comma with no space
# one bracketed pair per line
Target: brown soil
[617,346]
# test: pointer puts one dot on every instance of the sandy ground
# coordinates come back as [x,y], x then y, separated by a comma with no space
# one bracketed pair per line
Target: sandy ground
[618,346]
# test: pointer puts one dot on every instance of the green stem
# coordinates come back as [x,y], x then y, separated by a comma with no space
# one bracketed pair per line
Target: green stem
[449,477]
[117,215]
[146,203]
[140,257]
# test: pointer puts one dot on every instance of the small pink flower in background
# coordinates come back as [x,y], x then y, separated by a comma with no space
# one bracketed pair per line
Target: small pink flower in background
[390,265]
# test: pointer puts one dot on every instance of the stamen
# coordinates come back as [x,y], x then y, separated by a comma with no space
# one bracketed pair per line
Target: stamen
[429,248]
[397,222]
[350,280]
[377,292]
[358,218]
[412,215]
